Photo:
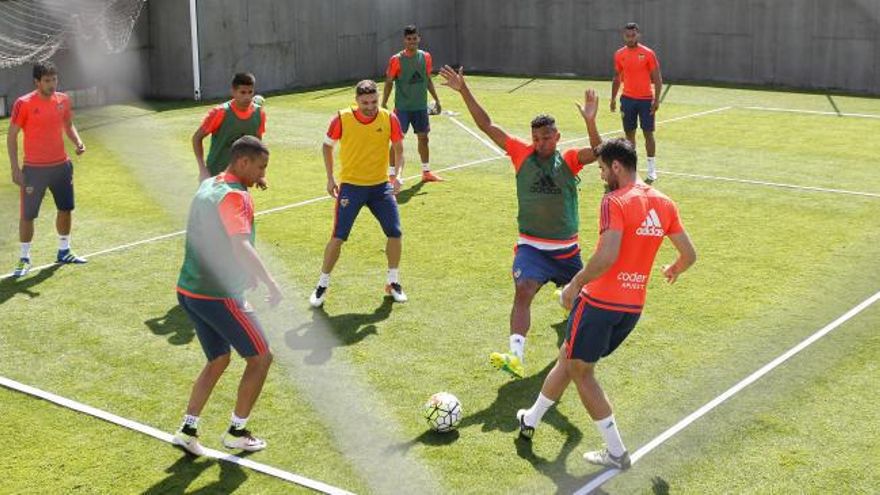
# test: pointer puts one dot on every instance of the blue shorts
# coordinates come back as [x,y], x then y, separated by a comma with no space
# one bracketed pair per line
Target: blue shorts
[558,266]
[57,178]
[632,109]
[224,323]
[418,119]
[379,199]
[593,333]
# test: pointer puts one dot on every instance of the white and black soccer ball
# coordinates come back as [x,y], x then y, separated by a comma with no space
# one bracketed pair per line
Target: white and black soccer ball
[442,412]
[259,100]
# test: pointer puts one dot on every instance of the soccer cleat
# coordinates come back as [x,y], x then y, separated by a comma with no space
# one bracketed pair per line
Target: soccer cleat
[526,432]
[604,458]
[428,176]
[318,296]
[242,439]
[396,291]
[650,179]
[66,257]
[508,363]
[22,268]
[188,439]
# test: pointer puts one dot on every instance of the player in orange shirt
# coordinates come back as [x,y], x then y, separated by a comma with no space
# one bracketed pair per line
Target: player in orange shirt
[45,116]
[606,297]
[636,66]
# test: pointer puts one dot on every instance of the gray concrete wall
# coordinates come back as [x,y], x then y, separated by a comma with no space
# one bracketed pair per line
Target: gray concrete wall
[817,44]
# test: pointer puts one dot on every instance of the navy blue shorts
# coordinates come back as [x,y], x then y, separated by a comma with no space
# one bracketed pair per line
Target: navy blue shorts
[558,266]
[632,109]
[58,179]
[379,199]
[418,119]
[224,323]
[593,333]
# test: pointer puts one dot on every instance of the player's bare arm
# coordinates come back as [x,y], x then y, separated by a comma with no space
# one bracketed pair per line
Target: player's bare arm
[12,149]
[602,259]
[433,92]
[588,111]
[332,187]
[73,135]
[386,91]
[250,259]
[615,88]
[199,150]
[687,256]
[397,149]
[455,81]
[657,80]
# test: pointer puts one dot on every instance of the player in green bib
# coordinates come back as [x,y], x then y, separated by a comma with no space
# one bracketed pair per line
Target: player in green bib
[240,116]
[547,249]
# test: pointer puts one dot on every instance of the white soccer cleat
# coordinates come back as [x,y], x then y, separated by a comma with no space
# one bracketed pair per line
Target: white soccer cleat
[318,296]
[604,458]
[396,291]
[242,440]
[187,439]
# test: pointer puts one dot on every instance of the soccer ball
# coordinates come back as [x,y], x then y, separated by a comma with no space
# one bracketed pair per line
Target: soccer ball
[442,412]
[259,100]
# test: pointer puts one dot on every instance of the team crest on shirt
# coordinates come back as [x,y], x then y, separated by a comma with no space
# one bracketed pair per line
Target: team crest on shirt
[641,56]
[343,202]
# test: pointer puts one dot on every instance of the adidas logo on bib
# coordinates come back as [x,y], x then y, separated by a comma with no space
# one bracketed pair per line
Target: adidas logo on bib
[651,226]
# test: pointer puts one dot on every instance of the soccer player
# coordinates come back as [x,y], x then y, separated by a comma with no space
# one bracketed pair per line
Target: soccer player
[44,115]
[546,187]
[240,116]
[411,70]
[363,132]
[636,66]
[219,265]
[607,296]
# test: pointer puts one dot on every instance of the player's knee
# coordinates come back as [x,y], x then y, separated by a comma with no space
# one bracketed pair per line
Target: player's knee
[423,138]
[219,363]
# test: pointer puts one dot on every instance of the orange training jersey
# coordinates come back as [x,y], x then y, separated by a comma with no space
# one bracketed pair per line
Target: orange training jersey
[43,121]
[634,67]
[645,216]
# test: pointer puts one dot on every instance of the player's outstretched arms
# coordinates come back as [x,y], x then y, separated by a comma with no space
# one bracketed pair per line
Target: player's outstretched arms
[687,256]
[455,81]
[588,111]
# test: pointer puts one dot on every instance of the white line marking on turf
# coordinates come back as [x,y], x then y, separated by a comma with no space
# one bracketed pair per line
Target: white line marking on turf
[480,138]
[684,423]
[773,184]
[166,437]
[814,112]
[323,198]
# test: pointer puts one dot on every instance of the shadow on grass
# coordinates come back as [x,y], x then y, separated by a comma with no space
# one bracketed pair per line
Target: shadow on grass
[188,468]
[9,287]
[347,328]
[173,322]
[429,437]
[403,197]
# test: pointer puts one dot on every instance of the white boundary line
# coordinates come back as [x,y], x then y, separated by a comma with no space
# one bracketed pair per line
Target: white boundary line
[815,112]
[684,423]
[323,198]
[772,184]
[167,437]
[489,144]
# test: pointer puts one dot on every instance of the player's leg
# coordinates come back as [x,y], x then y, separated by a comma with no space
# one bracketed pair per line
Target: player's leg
[31,197]
[551,391]
[61,186]
[383,206]
[647,122]
[422,127]
[348,204]
[629,117]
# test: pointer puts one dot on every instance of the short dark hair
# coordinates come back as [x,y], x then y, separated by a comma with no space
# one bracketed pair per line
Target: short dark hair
[619,149]
[247,146]
[243,79]
[410,29]
[366,87]
[543,120]
[631,25]
[45,68]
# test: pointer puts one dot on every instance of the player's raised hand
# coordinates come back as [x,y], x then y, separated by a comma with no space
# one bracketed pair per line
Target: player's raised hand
[452,78]
[591,105]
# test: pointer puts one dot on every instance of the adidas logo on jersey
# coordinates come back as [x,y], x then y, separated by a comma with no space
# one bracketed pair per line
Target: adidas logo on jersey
[651,226]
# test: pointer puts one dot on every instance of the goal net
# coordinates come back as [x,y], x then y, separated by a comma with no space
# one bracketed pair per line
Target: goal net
[33,30]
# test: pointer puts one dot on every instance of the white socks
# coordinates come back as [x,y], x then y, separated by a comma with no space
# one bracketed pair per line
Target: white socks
[652,167]
[26,250]
[191,421]
[64,242]
[536,412]
[426,167]
[608,428]
[324,280]
[518,346]
[238,423]
[393,276]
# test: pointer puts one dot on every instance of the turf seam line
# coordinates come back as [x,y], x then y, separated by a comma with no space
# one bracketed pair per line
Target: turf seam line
[684,423]
[167,437]
[815,112]
[323,198]
[489,144]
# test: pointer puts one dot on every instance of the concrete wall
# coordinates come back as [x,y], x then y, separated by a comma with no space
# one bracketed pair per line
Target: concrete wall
[815,44]
[820,44]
